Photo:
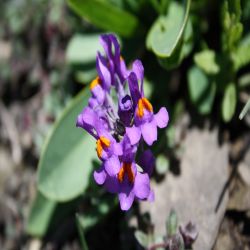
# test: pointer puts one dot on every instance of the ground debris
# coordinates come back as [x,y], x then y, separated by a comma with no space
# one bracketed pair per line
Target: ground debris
[197,191]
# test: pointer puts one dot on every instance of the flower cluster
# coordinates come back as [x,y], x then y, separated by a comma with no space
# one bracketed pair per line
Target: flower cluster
[120,118]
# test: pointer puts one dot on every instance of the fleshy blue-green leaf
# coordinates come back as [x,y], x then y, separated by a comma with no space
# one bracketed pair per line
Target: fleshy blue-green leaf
[82,48]
[201,89]
[205,60]
[162,164]
[40,215]
[172,223]
[142,238]
[66,161]
[106,16]
[85,76]
[182,50]
[167,31]
[229,102]
[244,81]
[241,56]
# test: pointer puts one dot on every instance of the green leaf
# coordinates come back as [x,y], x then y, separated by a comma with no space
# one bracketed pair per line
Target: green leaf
[205,60]
[83,48]
[244,81]
[162,164]
[232,27]
[182,50]
[66,160]
[106,16]
[170,134]
[229,102]
[241,56]
[159,240]
[81,233]
[85,76]
[166,33]
[40,215]
[179,109]
[172,223]
[142,238]
[245,110]
[201,89]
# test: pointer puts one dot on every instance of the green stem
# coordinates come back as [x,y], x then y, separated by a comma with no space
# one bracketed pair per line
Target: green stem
[83,242]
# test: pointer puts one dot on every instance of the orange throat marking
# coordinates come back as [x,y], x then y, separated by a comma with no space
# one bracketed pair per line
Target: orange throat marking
[126,169]
[102,143]
[95,82]
[143,103]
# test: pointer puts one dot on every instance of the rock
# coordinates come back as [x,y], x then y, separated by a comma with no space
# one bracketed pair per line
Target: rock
[240,187]
[35,244]
[244,169]
[195,193]
[224,242]
[239,197]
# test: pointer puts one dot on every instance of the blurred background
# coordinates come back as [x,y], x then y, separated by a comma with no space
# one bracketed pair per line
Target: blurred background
[196,56]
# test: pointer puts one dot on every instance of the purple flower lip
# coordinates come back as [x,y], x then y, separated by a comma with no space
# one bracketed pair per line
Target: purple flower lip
[120,118]
[126,103]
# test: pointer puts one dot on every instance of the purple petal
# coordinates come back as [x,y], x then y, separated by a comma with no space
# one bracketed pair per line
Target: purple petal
[162,118]
[151,196]
[134,134]
[149,132]
[139,71]
[107,40]
[101,129]
[89,116]
[112,184]
[133,88]
[88,128]
[125,103]
[123,68]
[112,165]
[141,186]
[93,102]
[147,161]
[79,121]
[116,47]
[103,71]
[117,147]
[126,200]
[129,151]
[106,44]
[100,175]
[125,110]
[98,93]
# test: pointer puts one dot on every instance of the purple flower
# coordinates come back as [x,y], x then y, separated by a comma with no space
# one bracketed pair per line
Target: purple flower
[147,161]
[118,121]
[128,183]
[107,148]
[145,121]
